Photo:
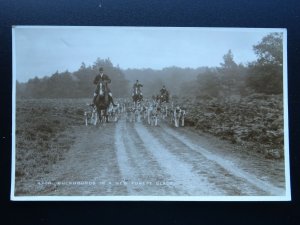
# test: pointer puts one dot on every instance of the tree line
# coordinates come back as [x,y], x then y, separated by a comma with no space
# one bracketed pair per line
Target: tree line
[78,84]
[264,75]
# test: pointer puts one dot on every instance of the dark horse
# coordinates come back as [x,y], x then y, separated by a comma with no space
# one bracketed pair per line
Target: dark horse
[164,98]
[137,95]
[102,102]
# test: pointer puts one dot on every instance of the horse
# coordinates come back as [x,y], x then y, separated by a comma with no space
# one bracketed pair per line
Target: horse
[102,102]
[137,96]
[163,101]
[164,98]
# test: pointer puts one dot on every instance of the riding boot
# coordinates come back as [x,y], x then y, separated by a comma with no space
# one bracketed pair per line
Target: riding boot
[112,101]
[94,100]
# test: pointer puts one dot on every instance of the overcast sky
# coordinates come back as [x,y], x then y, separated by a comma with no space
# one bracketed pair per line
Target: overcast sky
[41,51]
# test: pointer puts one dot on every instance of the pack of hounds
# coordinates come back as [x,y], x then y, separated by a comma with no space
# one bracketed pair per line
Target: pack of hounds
[148,111]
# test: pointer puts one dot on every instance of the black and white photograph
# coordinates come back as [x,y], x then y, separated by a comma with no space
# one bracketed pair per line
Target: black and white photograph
[149,113]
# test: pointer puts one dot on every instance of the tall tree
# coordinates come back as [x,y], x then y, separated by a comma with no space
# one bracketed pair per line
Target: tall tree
[228,63]
[270,50]
[230,75]
[266,73]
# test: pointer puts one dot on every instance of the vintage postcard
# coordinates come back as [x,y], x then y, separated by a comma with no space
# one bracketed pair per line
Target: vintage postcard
[149,114]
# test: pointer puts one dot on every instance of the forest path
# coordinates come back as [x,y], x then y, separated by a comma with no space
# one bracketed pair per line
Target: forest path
[136,159]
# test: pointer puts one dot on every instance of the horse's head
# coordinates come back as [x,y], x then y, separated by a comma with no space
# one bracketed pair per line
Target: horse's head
[137,90]
[102,88]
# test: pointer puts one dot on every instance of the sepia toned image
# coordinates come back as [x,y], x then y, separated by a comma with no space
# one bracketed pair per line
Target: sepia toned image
[150,113]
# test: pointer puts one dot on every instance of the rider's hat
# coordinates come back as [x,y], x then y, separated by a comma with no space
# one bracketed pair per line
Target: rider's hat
[101,69]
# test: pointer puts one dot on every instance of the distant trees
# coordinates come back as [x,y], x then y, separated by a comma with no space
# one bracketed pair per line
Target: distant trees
[230,79]
[20,89]
[265,75]
[73,85]
[226,80]
[232,75]
[209,83]
[172,77]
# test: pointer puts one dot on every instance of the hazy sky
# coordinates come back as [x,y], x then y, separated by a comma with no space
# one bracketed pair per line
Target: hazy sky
[41,51]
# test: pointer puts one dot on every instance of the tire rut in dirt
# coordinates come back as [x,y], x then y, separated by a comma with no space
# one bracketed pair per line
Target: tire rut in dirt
[260,186]
[185,180]
[141,172]
[245,159]
[217,175]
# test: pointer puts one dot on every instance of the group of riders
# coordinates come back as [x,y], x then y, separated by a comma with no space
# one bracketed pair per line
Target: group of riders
[103,100]
[137,94]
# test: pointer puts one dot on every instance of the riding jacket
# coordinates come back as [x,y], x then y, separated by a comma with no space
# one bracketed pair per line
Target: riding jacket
[103,78]
[164,91]
[137,85]
[98,78]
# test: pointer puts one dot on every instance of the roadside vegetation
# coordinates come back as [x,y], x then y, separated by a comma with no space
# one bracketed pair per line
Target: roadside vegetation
[41,139]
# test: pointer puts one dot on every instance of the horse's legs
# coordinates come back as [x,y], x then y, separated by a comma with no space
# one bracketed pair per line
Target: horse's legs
[100,115]
[106,115]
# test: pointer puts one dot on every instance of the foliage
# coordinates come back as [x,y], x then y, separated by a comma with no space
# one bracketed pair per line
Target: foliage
[209,84]
[265,79]
[226,80]
[229,63]
[232,75]
[266,74]
[270,50]
[74,85]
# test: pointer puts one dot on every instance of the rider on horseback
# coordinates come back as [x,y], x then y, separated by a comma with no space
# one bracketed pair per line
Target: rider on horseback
[138,86]
[164,93]
[102,77]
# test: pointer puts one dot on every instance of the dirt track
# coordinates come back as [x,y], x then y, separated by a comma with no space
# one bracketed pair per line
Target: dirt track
[135,159]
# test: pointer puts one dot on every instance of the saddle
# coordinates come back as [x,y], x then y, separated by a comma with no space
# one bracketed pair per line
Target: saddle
[164,97]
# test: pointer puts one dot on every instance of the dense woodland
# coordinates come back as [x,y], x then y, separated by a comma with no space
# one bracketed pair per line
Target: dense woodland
[265,75]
